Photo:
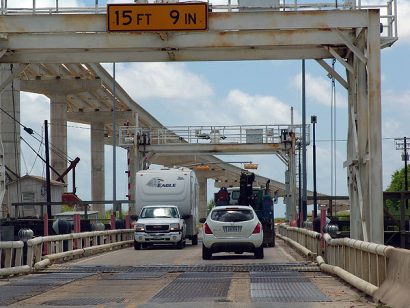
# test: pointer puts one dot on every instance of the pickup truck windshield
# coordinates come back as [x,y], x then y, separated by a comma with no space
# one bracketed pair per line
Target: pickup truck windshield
[159,212]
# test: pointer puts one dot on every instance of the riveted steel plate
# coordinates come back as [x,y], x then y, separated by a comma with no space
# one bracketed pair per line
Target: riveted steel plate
[10,294]
[284,287]
[135,275]
[52,279]
[194,287]
[264,267]
[83,301]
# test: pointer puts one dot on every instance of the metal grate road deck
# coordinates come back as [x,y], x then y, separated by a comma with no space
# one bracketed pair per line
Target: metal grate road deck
[261,267]
[195,287]
[284,287]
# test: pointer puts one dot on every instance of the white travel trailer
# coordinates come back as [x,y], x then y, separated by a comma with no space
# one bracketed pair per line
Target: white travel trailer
[167,186]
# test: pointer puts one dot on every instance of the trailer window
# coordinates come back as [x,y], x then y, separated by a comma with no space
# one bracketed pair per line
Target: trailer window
[232,215]
[156,212]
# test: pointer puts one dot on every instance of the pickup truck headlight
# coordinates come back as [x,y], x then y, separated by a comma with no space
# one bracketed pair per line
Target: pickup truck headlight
[139,227]
[174,227]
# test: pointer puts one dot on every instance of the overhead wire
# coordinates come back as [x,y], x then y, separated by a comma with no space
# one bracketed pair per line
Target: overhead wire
[32,133]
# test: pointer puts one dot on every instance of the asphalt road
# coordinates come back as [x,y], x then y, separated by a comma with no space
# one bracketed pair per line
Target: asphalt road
[168,277]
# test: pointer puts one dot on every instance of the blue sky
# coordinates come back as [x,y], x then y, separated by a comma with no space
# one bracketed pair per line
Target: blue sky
[248,92]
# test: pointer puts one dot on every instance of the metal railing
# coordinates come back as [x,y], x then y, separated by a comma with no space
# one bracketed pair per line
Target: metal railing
[362,264]
[388,12]
[307,238]
[365,260]
[239,134]
[59,247]
[11,258]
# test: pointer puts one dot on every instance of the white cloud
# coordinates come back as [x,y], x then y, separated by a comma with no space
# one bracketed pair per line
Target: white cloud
[244,108]
[162,80]
[318,89]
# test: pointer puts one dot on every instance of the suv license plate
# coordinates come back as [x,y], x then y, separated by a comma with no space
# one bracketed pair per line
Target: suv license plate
[232,228]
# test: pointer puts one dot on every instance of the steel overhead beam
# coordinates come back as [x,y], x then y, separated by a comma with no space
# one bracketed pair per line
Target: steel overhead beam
[220,149]
[136,55]
[222,21]
[180,40]
[333,73]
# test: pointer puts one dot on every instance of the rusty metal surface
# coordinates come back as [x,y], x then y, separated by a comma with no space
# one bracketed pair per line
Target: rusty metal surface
[284,287]
[261,267]
[195,287]
[84,301]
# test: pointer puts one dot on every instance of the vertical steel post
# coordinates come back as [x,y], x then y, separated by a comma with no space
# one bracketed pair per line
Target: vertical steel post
[406,183]
[304,201]
[114,141]
[46,143]
[300,216]
[314,121]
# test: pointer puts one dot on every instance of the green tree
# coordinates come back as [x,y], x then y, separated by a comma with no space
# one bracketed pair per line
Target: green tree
[397,184]
[211,204]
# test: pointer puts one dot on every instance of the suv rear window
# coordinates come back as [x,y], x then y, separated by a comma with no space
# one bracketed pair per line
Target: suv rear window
[232,215]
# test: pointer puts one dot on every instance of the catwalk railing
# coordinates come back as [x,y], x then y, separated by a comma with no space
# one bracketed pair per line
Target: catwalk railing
[388,11]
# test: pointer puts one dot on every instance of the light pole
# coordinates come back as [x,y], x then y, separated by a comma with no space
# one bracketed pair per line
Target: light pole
[313,120]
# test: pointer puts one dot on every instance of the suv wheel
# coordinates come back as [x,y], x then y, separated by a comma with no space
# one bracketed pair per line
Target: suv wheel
[206,253]
[259,252]
[194,240]
[137,246]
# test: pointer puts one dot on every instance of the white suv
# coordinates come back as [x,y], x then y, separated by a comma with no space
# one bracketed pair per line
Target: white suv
[233,228]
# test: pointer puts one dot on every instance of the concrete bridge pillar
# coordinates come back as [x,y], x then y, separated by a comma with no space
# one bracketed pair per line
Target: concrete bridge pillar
[10,132]
[58,132]
[97,165]
[203,192]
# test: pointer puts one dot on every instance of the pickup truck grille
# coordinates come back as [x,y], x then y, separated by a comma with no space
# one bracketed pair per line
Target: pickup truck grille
[157,228]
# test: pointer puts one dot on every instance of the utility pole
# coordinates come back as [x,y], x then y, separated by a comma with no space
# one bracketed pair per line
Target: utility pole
[401,145]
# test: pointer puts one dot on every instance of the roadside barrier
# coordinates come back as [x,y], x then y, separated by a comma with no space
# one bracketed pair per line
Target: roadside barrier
[60,247]
[378,270]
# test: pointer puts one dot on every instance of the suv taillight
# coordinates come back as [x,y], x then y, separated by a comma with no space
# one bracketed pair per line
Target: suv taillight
[257,228]
[207,230]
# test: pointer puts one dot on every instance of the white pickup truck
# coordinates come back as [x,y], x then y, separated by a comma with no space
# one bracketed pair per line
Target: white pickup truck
[159,224]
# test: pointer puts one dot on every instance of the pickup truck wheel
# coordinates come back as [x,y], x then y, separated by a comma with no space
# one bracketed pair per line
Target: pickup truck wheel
[137,246]
[181,244]
[194,240]
[206,253]
[259,252]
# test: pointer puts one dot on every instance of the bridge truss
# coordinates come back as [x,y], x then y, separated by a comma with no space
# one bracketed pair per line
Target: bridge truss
[351,34]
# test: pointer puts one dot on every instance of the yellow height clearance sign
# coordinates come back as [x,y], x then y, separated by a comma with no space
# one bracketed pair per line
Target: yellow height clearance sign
[157,17]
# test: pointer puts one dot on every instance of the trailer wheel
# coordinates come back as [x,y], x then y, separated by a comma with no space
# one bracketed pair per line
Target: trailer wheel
[194,240]
[137,246]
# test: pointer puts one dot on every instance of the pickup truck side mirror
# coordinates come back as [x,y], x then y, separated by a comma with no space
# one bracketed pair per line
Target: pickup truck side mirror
[202,220]
[134,217]
[186,216]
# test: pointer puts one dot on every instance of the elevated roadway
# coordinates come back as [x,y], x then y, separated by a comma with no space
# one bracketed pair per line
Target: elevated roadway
[180,278]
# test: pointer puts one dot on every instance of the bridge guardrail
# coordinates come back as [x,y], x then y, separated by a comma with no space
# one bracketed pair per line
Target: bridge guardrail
[59,247]
[362,264]
[11,258]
